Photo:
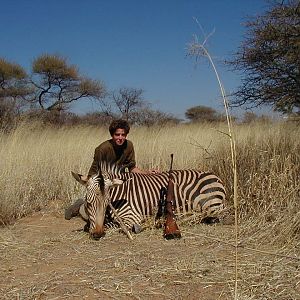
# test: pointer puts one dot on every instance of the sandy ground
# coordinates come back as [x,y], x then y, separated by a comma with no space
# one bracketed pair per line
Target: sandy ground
[46,257]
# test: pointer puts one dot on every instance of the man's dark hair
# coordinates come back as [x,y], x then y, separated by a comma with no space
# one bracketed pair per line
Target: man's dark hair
[118,124]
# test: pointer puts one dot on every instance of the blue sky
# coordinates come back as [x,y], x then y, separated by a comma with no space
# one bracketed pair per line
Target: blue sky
[130,43]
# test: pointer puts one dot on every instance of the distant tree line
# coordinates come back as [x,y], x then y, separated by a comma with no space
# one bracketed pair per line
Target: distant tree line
[48,92]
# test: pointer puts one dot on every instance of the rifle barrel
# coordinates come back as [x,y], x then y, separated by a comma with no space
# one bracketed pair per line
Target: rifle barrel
[171,164]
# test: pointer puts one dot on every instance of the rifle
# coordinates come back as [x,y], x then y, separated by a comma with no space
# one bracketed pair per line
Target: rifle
[171,230]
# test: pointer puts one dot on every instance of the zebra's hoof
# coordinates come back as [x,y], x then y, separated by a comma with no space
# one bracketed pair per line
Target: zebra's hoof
[136,228]
[210,220]
[172,236]
[86,227]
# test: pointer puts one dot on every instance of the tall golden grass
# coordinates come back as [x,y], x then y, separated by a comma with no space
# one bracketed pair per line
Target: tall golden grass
[36,163]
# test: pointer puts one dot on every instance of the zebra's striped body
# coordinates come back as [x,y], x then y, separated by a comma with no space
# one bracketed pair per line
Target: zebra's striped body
[138,196]
[135,196]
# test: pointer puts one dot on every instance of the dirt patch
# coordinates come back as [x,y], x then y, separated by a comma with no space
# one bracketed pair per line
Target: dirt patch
[47,257]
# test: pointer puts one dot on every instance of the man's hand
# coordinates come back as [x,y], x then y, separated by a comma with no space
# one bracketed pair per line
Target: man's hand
[154,171]
[151,171]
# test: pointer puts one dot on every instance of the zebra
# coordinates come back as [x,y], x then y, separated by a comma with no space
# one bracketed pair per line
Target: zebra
[135,196]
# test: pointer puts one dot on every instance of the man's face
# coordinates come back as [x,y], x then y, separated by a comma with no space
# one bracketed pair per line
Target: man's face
[119,137]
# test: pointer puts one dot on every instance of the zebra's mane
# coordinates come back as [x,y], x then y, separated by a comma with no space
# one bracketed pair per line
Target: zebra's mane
[110,170]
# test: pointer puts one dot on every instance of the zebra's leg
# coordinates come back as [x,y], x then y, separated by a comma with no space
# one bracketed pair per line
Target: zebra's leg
[130,219]
[136,228]
[78,209]
[82,213]
[212,208]
[73,210]
[86,227]
[136,221]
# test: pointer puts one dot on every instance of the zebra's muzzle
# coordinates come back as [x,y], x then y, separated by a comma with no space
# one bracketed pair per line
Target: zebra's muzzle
[97,235]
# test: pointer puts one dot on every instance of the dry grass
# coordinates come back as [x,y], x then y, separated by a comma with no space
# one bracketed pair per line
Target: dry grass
[65,264]
[36,163]
[35,174]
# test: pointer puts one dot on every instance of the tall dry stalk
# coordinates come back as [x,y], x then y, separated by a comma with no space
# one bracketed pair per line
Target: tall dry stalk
[199,50]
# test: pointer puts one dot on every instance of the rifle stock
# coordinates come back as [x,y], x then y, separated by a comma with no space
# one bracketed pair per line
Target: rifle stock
[171,230]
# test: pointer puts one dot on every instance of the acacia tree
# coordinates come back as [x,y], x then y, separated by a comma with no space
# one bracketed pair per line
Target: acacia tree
[14,90]
[203,113]
[269,59]
[149,117]
[128,101]
[58,84]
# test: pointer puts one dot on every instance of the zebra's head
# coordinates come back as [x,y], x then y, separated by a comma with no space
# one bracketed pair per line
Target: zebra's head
[96,200]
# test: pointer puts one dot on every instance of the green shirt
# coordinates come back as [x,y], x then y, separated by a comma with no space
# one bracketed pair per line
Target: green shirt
[107,151]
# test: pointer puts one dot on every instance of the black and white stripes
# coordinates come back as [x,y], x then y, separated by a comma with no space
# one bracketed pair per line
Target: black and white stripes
[135,196]
[193,190]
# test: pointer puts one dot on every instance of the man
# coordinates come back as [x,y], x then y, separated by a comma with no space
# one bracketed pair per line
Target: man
[117,150]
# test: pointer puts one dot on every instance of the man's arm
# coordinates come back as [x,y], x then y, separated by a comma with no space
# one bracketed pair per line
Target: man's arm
[94,169]
[137,170]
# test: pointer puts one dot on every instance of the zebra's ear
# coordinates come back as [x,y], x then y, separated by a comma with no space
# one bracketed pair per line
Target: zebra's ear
[80,178]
